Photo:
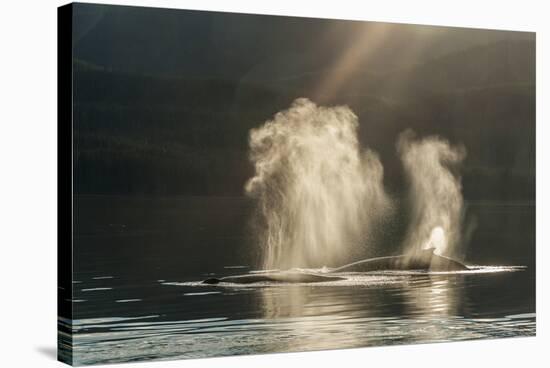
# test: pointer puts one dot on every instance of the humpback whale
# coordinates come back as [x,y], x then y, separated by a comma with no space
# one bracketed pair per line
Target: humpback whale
[287,276]
[423,260]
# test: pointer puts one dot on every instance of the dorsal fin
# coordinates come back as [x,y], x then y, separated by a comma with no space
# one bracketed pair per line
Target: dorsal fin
[430,250]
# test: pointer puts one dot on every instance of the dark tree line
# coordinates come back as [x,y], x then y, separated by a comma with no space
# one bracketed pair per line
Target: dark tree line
[155,135]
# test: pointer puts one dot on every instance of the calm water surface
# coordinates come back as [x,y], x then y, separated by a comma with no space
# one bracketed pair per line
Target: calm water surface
[137,296]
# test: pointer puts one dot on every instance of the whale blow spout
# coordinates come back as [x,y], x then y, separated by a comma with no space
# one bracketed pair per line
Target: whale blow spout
[432,167]
[318,192]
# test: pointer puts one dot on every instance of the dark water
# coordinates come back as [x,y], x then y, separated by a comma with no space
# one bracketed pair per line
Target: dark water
[136,296]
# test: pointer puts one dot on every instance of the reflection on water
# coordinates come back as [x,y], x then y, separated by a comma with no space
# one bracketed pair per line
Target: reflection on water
[370,310]
[433,296]
[136,295]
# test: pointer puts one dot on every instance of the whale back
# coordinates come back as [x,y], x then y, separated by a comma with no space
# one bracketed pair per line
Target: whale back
[279,277]
[424,260]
